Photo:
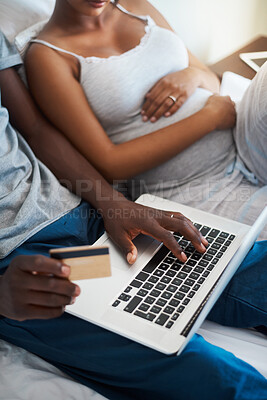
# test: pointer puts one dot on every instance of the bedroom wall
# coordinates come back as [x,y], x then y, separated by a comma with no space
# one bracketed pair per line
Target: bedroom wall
[212,29]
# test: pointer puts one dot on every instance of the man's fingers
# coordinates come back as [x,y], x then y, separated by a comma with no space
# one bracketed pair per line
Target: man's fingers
[177,222]
[42,264]
[49,299]
[170,242]
[39,312]
[128,248]
[42,283]
[132,255]
[163,235]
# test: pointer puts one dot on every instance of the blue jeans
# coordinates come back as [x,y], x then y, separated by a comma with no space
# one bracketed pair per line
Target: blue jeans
[121,369]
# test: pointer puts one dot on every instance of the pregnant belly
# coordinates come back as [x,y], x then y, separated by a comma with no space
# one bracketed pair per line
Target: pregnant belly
[209,155]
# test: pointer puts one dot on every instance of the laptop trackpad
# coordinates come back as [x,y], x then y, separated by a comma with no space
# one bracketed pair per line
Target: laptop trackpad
[141,242]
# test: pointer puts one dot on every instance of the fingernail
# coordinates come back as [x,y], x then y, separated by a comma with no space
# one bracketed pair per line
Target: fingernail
[129,258]
[153,119]
[205,241]
[167,114]
[73,299]
[77,291]
[183,256]
[65,270]
[145,118]
[142,112]
[203,247]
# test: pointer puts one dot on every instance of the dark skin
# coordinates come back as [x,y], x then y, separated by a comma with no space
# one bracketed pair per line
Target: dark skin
[37,286]
[78,27]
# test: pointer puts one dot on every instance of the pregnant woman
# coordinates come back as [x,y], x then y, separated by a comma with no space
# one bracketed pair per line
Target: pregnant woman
[124,89]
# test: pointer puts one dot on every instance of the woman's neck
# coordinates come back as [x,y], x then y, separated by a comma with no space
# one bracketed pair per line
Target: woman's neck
[70,20]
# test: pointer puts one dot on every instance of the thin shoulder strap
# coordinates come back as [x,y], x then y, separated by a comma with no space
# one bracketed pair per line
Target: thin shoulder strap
[55,47]
[142,17]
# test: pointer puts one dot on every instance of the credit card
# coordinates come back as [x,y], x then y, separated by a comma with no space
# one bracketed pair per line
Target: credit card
[86,262]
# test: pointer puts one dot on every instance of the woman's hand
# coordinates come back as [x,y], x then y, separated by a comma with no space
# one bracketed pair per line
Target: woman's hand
[223,111]
[180,85]
[36,287]
[124,220]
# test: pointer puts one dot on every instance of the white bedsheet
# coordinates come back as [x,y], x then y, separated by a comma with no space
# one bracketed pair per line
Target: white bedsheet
[24,376]
[249,345]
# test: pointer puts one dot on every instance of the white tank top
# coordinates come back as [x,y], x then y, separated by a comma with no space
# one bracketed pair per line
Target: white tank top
[116,86]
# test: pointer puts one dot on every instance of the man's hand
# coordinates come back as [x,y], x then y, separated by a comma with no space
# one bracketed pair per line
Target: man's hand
[36,287]
[124,220]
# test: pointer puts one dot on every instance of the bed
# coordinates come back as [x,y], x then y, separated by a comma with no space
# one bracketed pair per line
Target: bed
[25,376]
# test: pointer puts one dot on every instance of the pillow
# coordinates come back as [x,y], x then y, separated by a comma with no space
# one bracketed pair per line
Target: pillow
[23,38]
[22,41]
[17,15]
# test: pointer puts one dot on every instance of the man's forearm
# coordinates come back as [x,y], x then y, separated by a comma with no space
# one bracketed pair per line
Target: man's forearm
[66,162]
[70,167]
[50,146]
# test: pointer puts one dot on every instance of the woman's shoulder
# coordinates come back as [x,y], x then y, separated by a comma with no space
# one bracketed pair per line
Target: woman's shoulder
[37,52]
[36,49]
[46,48]
[41,60]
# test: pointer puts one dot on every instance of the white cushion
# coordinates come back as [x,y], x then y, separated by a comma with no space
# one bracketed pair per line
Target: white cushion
[234,85]
[17,15]
[23,38]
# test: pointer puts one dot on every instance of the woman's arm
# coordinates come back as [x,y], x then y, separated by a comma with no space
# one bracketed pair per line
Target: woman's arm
[123,219]
[61,98]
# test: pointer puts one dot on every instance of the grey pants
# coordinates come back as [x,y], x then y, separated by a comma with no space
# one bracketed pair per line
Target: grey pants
[237,188]
[240,194]
[251,128]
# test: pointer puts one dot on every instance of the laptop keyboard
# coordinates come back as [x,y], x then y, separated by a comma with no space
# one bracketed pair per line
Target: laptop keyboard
[162,290]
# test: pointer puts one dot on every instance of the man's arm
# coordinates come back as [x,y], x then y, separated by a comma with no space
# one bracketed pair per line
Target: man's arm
[36,286]
[51,147]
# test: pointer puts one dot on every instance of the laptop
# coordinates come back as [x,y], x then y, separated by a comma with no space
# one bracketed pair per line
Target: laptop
[254,60]
[159,301]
